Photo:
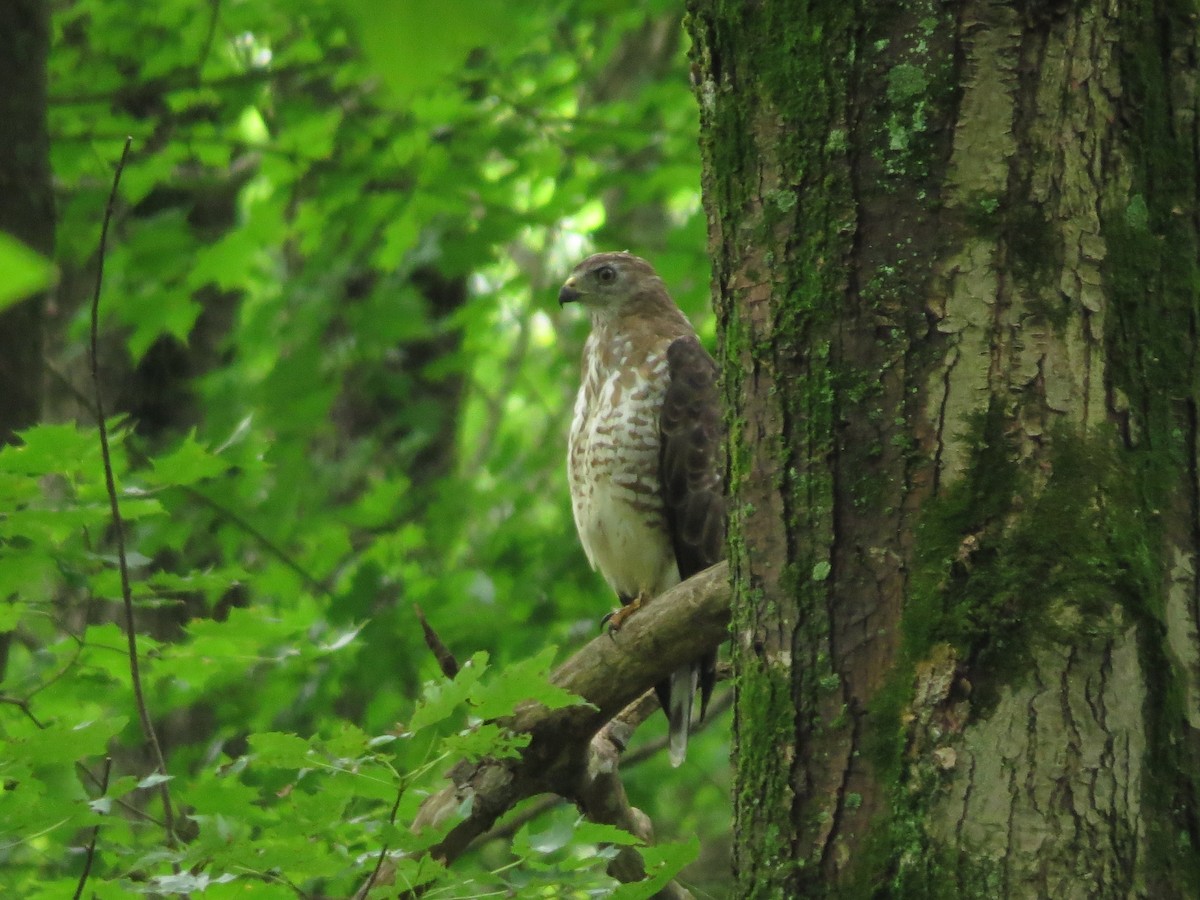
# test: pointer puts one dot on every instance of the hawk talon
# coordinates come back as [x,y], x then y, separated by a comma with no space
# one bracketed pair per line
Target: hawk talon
[612,632]
[617,618]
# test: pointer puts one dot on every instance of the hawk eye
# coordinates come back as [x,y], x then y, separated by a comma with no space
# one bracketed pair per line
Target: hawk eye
[606,274]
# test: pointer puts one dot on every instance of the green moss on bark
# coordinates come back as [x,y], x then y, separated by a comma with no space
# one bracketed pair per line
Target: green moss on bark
[1153,276]
[771,88]
[1009,559]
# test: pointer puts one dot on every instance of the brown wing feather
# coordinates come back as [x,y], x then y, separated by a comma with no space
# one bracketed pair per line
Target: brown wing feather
[691,469]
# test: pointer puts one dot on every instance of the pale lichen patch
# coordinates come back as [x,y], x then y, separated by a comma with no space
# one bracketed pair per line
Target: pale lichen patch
[1183,638]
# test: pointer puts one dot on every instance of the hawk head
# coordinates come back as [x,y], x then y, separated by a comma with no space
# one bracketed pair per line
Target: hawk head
[608,284]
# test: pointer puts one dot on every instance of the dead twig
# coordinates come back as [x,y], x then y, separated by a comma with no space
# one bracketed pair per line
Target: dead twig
[446,660]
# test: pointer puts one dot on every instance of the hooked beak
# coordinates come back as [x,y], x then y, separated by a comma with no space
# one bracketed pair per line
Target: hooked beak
[569,293]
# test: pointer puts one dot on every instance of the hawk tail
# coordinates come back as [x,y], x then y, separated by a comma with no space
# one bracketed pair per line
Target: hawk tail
[679,714]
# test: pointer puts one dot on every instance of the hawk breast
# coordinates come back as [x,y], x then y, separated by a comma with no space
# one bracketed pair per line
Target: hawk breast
[613,467]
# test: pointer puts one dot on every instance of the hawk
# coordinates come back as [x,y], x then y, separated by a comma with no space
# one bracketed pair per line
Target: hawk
[645,452]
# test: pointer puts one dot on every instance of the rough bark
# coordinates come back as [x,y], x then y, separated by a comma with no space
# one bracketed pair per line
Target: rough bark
[26,209]
[26,201]
[955,262]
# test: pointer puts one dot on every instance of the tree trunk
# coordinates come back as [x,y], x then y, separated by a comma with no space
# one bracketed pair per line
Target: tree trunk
[26,210]
[26,200]
[955,265]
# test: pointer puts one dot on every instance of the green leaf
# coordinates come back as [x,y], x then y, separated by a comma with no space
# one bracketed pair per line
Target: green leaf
[10,613]
[188,463]
[663,863]
[557,836]
[599,833]
[444,698]
[30,572]
[281,750]
[52,449]
[25,271]
[66,742]
[519,682]
[413,44]
[487,739]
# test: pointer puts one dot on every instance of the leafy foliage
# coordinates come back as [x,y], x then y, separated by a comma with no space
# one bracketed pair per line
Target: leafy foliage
[329,328]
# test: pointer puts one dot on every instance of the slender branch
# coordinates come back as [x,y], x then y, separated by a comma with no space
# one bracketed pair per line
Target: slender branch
[383,851]
[23,706]
[206,48]
[91,847]
[653,748]
[273,549]
[118,525]
[135,812]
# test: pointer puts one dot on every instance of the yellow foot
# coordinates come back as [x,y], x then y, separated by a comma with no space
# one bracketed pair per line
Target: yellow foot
[618,617]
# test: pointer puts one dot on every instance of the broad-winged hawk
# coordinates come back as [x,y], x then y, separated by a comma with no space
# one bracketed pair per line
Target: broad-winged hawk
[645,452]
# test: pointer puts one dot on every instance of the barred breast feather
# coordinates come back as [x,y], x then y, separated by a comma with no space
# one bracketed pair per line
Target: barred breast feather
[614,450]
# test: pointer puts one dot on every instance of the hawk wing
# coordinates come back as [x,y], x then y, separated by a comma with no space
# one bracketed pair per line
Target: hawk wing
[691,467]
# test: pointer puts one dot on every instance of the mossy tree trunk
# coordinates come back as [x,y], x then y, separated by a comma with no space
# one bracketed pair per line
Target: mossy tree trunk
[26,210]
[955,264]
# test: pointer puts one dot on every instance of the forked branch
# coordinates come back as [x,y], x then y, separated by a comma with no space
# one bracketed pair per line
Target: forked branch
[609,673]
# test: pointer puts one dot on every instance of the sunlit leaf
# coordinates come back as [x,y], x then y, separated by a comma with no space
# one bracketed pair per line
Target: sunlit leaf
[517,682]
[413,43]
[25,272]
[444,698]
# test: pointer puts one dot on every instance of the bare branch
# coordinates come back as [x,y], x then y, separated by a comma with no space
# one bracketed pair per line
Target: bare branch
[383,851]
[633,715]
[90,855]
[600,796]
[119,525]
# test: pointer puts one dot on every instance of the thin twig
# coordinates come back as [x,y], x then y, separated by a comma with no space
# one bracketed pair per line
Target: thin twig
[317,585]
[206,48]
[118,525]
[383,851]
[23,706]
[134,811]
[91,847]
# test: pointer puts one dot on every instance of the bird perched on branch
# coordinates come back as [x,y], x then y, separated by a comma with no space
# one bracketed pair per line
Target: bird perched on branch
[645,453]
